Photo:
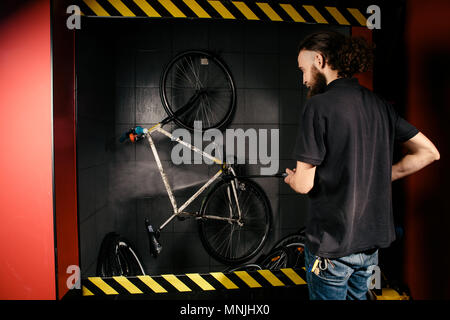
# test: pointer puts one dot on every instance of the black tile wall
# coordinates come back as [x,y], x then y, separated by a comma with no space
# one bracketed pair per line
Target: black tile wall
[95,96]
[262,105]
[235,63]
[125,73]
[227,37]
[290,109]
[290,75]
[125,105]
[261,70]
[149,108]
[149,66]
[119,63]
[261,37]
[186,35]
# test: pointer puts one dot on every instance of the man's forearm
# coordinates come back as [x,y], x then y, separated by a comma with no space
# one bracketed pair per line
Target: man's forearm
[412,163]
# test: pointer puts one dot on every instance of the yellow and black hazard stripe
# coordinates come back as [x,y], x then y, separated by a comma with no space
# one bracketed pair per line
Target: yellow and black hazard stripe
[264,10]
[192,282]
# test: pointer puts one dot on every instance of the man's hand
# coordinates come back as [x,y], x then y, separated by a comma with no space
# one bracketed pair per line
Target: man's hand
[289,176]
[301,179]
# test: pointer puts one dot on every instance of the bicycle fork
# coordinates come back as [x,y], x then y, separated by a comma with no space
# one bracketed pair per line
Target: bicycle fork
[234,186]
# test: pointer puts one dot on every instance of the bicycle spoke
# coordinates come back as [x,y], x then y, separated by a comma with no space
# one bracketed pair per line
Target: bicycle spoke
[239,237]
[219,240]
[210,108]
[204,113]
[214,98]
[192,79]
[184,72]
[192,67]
[230,242]
[223,243]
[217,234]
[181,76]
[242,206]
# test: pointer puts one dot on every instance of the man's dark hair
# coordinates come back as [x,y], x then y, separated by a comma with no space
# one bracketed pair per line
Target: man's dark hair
[344,54]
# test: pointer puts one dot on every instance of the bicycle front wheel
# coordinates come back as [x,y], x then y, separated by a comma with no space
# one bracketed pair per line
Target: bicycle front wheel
[235,240]
[198,71]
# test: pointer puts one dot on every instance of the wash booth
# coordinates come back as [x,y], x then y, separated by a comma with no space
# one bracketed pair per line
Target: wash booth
[102,185]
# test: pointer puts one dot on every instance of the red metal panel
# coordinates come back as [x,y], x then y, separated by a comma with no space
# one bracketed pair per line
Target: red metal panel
[64,144]
[27,263]
[427,220]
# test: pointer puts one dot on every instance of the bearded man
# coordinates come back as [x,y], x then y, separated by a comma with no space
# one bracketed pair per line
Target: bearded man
[344,152]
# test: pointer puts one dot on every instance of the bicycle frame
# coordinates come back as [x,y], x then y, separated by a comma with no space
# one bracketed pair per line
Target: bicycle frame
[180,210]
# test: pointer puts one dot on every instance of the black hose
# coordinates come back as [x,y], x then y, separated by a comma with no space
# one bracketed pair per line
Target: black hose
[277,175]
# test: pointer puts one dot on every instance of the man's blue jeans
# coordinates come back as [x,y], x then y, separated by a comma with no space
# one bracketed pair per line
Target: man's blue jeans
[348,280]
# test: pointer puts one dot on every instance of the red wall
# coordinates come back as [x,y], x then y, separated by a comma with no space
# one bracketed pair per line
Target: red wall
[64,144]
[427,221]
[365,79]
[27,263]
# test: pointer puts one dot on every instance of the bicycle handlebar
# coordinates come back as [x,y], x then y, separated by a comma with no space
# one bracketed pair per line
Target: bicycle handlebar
[133,134]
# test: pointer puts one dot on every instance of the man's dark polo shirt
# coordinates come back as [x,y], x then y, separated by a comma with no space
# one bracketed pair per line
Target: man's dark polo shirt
[348,132]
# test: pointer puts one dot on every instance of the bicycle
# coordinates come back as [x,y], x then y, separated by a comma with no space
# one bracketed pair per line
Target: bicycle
[288,252]
[235,217]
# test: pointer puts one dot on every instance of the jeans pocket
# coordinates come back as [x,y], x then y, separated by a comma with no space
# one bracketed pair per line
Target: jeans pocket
[337,273]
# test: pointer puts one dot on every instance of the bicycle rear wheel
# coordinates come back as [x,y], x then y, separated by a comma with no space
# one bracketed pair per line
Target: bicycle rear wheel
[294,244]
[227,241]
[277,259]
[193,71]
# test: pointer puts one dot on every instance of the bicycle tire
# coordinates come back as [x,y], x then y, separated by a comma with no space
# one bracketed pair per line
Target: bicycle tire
[195,70]
[245,241]
[296,255]
[298,236]
[117,257]
[276,259]
[128,261]
[295,246]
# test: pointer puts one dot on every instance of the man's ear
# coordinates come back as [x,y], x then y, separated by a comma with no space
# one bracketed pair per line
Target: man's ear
[319,61]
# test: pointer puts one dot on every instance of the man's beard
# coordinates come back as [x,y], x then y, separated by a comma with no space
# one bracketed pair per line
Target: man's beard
[319,82]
